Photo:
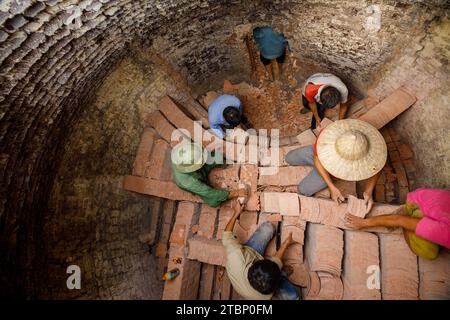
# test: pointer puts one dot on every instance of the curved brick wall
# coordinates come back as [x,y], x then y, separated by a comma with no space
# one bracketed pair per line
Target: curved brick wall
[55,54]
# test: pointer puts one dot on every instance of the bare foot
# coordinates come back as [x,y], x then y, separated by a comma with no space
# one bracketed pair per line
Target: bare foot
[354,222]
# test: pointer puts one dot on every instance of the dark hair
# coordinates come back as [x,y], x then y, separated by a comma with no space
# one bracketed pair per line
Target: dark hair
[232,115]
[264,276]
[330,97]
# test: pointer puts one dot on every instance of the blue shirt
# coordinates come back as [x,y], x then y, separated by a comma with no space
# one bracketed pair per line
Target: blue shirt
[271,44]
[215,112]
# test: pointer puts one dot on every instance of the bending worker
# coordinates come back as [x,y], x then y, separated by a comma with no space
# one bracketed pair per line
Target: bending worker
[272,48]
[321,92]
[253,276]
[225,112]
[190,172]
[349,149]
[426,224]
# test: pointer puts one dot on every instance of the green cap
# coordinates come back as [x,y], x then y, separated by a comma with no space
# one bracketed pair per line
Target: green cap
[188,157]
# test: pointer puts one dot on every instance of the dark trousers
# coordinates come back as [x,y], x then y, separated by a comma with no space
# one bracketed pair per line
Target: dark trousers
[320,110]
[280,59]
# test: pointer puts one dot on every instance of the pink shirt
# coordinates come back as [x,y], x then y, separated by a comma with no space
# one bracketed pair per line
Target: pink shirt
[435,206]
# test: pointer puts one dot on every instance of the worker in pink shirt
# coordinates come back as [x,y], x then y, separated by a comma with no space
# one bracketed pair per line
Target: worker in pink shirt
[426,224]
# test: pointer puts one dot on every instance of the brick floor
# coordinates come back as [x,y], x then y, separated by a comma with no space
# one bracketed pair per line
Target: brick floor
[399,271]
[361,255]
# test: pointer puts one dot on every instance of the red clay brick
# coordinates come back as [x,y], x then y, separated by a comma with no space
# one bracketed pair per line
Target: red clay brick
[435,277]
[389,108]
[324,248]
[162,189]
[393,134]
[144,151]
[361,252]
[409,167]
[249,176]
[331,287]
[399,274]
[386,136]
[326,212]
[356,207]
[185,286]
[248,219]
[276,217]
[161,125]
[394,156]
[312,288]
[225,178]
[402,193]
[401,174]
[240,233]
[207,251]
[225,214]
[325,122]
[294,252]
[225,293]
[178,235]
[379,193]
[306,138]
[206,282]
[195,228]
[300,274]
[169,211]
[207,221]
[209,97]
[159,165]
[405,152]
[286,176]
[297,233]
[161,249]
[284,203]
[176,116]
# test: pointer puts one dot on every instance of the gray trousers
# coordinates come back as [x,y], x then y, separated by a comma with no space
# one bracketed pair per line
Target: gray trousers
[313,182]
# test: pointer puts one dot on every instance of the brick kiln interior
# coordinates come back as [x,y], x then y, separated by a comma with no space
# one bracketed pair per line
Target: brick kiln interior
[79,79]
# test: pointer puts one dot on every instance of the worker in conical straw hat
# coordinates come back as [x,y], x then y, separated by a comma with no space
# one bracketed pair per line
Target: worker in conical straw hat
[190,172]
[349,149]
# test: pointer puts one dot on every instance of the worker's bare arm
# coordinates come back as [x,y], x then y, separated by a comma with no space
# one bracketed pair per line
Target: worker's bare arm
[335,192]
[391,220]
[237,208]
[233,194]
[313,107]
[284,246]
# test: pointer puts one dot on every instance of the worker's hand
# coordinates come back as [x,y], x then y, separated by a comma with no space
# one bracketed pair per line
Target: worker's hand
[244,192]
[336,195]
[368,201]
[354,222]
[289,240]
[318,127]
[237,207]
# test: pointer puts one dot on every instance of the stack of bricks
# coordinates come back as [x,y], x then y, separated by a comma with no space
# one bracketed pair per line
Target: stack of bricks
[184,286]
[397,177]
[324,250]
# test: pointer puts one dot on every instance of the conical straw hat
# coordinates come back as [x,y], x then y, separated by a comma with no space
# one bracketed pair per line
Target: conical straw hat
[351,150]
[188,157]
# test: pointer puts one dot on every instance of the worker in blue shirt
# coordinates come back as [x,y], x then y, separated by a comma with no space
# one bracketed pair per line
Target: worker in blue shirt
[272,47]
[225,112]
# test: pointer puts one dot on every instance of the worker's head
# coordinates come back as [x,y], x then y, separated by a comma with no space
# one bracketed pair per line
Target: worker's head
[232,115]
[330,97]
[264,276]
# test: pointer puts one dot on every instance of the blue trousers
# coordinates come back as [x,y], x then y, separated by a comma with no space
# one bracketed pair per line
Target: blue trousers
[259,241]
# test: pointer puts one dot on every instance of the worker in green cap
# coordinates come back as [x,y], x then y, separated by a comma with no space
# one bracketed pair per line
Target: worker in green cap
[190,172]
